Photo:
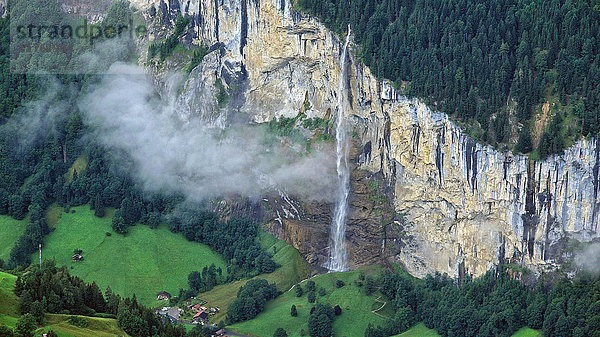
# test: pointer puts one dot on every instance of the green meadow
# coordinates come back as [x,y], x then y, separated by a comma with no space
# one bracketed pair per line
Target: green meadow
[10,231]
[292,269]
[144,262]
[98,327]
[356,308]
[527,332]
[419,330]
[9,302]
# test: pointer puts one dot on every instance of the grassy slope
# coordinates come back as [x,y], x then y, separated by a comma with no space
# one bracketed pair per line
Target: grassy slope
[293,269]
[144,262]
[10,231]
[356,309]
[419,330]
[101,327]
[53,214]
[79,166]
[527,332]
[9,302]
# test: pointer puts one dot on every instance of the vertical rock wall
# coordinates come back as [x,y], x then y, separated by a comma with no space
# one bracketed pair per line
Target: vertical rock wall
[461,207]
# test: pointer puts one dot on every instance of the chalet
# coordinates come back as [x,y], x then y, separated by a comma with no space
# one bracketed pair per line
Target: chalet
[163,296]
[77,257]
[201,316]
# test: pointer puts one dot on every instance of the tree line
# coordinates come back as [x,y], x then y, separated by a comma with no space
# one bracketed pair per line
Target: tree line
[51,289]
[235,239]
[251,300]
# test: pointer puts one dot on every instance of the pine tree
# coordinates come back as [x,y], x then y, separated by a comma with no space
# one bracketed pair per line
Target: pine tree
[118,225]
[37,310]
[99,210]
[26,326]
[311,296]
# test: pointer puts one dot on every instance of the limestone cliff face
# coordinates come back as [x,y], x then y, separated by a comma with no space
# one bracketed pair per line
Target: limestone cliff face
[460,207]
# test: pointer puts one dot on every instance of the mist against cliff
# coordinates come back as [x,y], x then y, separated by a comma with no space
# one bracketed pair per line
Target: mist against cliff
[589,258]
[171,153]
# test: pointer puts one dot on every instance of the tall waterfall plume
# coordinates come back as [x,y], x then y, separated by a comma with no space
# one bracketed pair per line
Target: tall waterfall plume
[338,260]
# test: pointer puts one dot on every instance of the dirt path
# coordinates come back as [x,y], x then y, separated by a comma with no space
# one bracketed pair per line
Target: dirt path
[378,300]
[306,279]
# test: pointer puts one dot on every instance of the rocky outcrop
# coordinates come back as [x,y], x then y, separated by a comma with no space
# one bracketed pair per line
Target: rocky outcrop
[451,205]
[93,10]
[3,8]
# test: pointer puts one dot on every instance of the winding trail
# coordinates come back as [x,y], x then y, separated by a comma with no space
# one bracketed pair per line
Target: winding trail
[378,300]
[306,279]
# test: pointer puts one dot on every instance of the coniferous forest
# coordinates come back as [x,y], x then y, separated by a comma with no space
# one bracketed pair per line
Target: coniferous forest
[490,64]
[495,304]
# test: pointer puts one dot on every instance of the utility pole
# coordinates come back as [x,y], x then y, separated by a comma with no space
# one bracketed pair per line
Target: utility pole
[40,255]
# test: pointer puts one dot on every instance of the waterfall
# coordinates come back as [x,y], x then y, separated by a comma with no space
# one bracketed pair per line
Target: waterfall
[337,246]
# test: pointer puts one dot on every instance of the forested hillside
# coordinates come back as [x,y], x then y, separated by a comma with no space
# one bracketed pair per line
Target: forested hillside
[491,64]
[492,305]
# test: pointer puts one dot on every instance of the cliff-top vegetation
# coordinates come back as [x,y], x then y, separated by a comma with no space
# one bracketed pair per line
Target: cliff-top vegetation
[519,74]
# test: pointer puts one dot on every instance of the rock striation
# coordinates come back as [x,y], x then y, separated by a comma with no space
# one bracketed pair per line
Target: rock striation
[450,204]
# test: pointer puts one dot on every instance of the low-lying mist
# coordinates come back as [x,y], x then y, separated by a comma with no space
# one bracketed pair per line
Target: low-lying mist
[170,153]
[589,258]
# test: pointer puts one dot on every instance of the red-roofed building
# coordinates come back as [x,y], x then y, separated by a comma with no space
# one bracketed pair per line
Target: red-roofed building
[201,316]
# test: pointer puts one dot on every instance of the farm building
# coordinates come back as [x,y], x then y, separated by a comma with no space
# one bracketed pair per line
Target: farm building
[163,296]
[201,316]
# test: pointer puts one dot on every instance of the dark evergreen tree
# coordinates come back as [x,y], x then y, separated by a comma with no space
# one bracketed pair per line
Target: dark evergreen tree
[36,309]
[280,333]
[320,321]
[26,326]
[311,297]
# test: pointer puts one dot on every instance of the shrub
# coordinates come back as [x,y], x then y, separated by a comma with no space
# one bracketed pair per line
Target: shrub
[280,333]
[339,283]
[370,285]
[337,310]
[310,285]
[311,297]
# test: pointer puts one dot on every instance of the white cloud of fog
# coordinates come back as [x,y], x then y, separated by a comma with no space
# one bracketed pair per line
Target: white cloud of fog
[39,117]
[589,258]
[188,156]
